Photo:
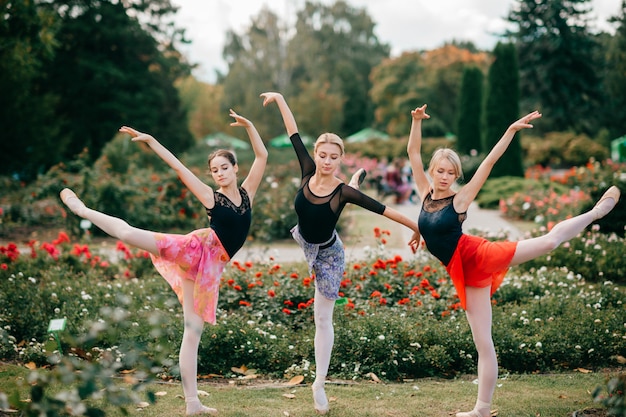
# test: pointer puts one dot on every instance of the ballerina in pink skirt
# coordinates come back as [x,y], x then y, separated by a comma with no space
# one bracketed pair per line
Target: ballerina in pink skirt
[193,263]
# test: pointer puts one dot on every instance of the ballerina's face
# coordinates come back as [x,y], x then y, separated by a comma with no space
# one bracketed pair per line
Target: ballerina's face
[444,175]
[327,158]
[223,171]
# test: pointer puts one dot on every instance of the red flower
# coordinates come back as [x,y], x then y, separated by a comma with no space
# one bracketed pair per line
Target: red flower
[356,266]
[271,293]
[4,266]
[249,264]
[230,282]
[293,275]
[375,294]
[244,303]
[258,275]
[301,306]
[306,281]
[288,303]
[388,286]
[286,311]
[383,301]
[237,287]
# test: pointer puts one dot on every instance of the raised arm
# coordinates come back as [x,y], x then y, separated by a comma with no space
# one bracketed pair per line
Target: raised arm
[307,164]
[202,191]
[414,149]
[285,111]
[253,180]
[468,193]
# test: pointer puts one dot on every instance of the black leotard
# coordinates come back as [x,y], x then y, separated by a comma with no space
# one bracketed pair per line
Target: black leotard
[318,215]
[230,222]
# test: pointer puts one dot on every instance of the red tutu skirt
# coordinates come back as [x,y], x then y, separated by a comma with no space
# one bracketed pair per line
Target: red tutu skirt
[477,262]
[197,256]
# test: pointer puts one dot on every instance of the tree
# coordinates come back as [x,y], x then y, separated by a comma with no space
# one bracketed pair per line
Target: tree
[470,111]
[615,78]
[336,44]
[110,70]
[29,129]
[256,63]
[557,73]
[502,108]
[414,78]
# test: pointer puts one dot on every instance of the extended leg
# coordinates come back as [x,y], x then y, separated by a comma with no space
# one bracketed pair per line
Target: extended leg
[324,340]
[117,228]
[479,318]
[188,355]
[565,230]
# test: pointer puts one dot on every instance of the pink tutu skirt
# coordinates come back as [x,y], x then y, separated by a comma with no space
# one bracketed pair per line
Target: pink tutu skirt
[477,262]
[197,256]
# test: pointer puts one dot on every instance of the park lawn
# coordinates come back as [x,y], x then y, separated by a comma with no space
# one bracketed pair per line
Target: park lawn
[550,395]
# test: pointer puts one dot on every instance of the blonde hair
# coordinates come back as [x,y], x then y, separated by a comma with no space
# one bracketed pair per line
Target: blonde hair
[452,157]
[329,138]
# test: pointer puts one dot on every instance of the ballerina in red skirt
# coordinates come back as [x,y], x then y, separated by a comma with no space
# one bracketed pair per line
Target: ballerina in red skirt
[477,266]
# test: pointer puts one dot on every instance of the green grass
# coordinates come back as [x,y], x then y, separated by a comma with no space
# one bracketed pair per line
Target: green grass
[554,395]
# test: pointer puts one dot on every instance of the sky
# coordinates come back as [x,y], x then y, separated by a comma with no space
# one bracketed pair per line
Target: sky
[406,25]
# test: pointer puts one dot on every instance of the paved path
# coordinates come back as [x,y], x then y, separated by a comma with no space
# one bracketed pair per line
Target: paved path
[477,219]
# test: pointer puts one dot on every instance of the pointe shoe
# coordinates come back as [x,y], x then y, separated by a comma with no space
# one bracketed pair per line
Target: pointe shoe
[472,413]
[355,181]
[614,193]
[72,202]
[362,176]
[200,411]
[320,402]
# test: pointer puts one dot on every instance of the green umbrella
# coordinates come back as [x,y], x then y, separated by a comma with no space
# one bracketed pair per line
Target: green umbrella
[282,141]
[222,140]
[366,134]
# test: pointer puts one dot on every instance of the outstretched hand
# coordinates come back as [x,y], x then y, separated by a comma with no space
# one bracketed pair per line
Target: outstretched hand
[420,113]
[239,120]
[136,136]
[270,97]
[524,122]
[414,243]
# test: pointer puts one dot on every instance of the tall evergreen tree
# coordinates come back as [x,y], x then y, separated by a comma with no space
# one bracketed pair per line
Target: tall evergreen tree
[615,78]
[502,108]
[110,70]
[557,71]
[29,128]
[470,111]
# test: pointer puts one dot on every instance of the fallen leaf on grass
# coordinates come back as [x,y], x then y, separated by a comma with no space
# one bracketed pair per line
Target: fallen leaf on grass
[296,380]
[290,396]
[203,393]
[160,393]
[30,365]
[583,370]
[142,404]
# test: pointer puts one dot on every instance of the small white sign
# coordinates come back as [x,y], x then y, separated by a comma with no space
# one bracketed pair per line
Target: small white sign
[56,325]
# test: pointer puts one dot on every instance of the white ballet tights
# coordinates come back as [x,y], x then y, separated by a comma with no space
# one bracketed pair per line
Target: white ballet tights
[188,356]
[479,317]
[324,339]
[562,232]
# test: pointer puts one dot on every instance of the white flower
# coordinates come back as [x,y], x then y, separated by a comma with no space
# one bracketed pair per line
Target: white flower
[538,345]
[381,337]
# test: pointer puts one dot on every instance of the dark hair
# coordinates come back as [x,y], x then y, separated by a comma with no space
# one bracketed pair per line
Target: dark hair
[225,153]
